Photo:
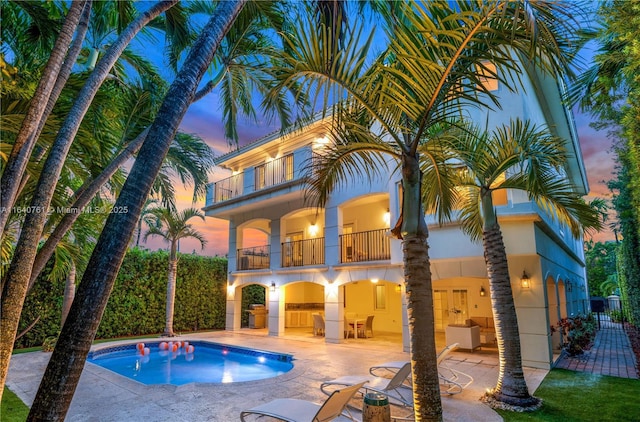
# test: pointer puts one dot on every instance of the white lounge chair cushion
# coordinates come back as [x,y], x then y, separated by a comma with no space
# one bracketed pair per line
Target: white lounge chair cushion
[292,410]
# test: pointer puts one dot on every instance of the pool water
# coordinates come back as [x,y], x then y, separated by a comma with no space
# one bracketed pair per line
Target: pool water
[208,363]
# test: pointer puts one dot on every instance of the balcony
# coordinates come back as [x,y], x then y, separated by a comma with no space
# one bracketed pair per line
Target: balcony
[372,245]
[299,253]
[226,189]
[255,258]
[270,174]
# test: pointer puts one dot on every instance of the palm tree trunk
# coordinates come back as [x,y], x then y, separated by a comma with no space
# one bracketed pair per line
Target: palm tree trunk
[69,292]
[19,272]
[426,388]
[67,361]
[511,387]
[417,274]
[63,77]
[84,195]
[171,289]
[25,141]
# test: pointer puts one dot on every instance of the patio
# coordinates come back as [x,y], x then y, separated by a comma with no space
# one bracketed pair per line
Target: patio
[105,396]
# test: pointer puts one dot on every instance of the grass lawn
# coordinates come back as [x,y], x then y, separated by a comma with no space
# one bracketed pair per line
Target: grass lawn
[578,396]
[12,408]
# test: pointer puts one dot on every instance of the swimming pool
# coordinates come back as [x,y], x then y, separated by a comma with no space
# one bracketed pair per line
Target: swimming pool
[206,362]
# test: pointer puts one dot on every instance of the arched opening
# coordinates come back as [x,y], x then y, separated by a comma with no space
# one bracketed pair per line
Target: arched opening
[302,235]
[253,245]
[251,316]
[364,223]
[302,300]
[553,312]
[562,295]
[379,301]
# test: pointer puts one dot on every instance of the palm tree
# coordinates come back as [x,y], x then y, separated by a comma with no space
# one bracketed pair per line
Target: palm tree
[172,227]
[437,55]
[18,275]
[523,157]
[67,361]
[610,91]
[241,65]
[147,217]
[25,141]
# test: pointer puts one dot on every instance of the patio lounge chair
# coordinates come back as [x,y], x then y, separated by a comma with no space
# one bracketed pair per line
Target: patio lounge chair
[295,410]
[452,380]
[394,388]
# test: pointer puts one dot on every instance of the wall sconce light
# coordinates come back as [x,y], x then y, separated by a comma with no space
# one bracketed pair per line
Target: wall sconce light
[525,281]
[320,142]
[483,292]
[398,288]
[374,280]
[313,229]
[273,286]
[569,287]
[386,217]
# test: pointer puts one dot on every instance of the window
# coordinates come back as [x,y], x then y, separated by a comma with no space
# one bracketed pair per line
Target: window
[287,167]
[274,172]
[380,297]
[487,76]
[260,182]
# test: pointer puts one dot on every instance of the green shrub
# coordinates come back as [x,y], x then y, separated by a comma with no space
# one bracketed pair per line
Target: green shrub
[578,333]
[616,315]
[49,344]
[137,303]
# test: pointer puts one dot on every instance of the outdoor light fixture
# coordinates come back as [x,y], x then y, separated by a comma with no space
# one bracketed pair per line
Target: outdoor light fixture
[525,281]
[483,292]
[386,217]
[273,286]
[320,142]
[398,288]
[569,287]
[313,229]
[374,280]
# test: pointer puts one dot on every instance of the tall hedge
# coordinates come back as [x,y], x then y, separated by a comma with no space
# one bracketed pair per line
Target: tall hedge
[137,303]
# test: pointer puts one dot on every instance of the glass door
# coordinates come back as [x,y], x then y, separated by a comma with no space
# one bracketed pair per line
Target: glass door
[440,309]
[460,310]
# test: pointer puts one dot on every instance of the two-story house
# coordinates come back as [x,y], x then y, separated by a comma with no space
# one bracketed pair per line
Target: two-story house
[341,262]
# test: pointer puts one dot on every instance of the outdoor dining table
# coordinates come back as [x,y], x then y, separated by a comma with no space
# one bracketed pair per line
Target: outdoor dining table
[355,322]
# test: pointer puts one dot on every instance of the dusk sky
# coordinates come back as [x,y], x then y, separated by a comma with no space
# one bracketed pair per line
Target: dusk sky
[204,119]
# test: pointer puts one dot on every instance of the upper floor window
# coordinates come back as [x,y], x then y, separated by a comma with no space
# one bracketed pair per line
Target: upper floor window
[274,172]
[487,75]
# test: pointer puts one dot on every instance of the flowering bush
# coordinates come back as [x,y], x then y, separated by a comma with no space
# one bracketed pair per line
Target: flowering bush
[578,333]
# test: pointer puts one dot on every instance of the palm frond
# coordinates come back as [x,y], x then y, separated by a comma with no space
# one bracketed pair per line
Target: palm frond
[355,154]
